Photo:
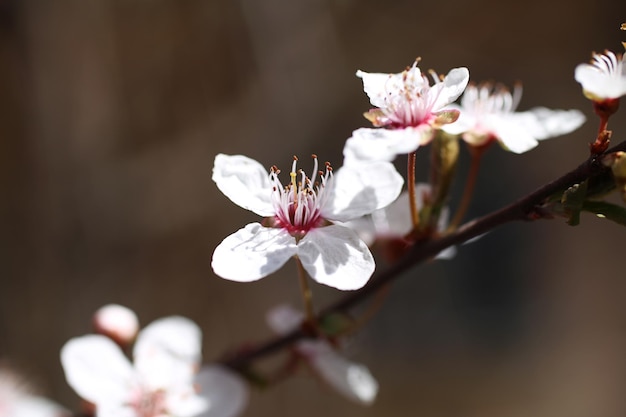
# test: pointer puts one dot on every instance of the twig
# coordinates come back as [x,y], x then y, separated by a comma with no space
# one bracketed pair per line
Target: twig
[523,209]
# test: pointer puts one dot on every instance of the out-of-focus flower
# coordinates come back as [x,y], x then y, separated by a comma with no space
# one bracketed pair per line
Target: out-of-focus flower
[16,399]
[354,381]
[162,381]
[409,107]
[117,322]
[488,114]
[393,223]
[299,219]
[604,78]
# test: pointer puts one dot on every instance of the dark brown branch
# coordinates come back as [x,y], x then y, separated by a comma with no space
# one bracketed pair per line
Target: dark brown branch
[522,209]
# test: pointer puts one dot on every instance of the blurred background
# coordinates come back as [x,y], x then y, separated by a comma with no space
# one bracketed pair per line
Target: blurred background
[113,110]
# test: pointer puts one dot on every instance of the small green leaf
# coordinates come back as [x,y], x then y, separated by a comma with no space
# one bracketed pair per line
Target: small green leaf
[606,210]
[335,324]
[573,199]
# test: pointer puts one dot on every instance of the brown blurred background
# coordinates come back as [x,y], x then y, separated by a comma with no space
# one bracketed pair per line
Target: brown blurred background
[113,110]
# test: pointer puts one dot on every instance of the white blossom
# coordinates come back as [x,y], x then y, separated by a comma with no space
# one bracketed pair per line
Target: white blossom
[409,107]
[352,380]
[17,400]
[604,78]
[488,114]
[299,219]
[161,382]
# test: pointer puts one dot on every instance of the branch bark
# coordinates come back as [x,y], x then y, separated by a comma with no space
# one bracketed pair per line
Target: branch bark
[524,209]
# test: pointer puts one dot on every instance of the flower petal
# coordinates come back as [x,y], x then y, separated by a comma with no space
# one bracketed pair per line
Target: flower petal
[284,318]
[167,352]
[245,182]
[183,401]
[226,392]
[335,256]
[597,81]
[30,406]
[453,86]
[352,380]
[384,144]
[252,253]
[379,86]
[511,135]
[466,121]
[360,188]
[543,123]
[97,370]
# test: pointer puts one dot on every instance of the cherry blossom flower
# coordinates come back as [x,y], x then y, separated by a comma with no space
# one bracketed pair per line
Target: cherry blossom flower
[604,78]
[299,219]
[162,381]
[488,114]
[354,381]
[393,223]
[16,400]
[409,107]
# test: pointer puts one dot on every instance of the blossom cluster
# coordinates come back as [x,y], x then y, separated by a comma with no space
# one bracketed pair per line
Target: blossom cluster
[165,378]
[326,221]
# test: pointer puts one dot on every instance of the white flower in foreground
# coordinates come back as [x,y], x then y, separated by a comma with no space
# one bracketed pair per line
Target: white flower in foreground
[17,401]
[409,107]
[299,219]
[394,221]
[162,381]
[352,380]
[488,114]
[604,78]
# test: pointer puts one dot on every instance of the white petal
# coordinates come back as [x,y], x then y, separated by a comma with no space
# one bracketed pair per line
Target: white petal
[351,380]
[453,86]
[185,402]
[364,227]
[97,370]
[252,253]
[167,352]
[116,410]
[245,182]
[511,135]
[466,122]
[395,220]
[599,84]
[379,86]
[36,407]
[284,318]
[360,188]
[227,393]
[384,144]
[335,256]
[542,123]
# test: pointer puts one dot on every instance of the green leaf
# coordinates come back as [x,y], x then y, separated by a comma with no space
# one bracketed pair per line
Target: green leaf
[606,210]
[572,200]
[335,324]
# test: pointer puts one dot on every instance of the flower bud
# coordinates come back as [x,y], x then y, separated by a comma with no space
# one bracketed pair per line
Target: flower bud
[116,322]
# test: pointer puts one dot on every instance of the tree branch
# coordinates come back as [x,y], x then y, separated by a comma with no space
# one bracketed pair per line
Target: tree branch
[523,209]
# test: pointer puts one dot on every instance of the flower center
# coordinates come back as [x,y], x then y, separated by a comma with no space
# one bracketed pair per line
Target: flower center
[298,204]
[412,102]
[149,403]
